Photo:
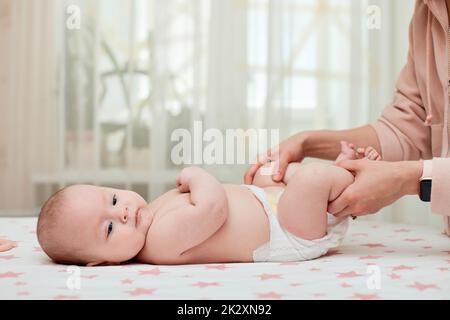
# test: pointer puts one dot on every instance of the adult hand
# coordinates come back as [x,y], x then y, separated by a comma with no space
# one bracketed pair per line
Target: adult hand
[6,245]
[377,184]
[290,150]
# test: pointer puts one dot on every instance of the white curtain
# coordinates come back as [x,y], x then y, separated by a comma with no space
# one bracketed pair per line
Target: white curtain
[28,93]
[98,102]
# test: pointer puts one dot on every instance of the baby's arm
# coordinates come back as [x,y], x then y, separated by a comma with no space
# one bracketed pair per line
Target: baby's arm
[188,226]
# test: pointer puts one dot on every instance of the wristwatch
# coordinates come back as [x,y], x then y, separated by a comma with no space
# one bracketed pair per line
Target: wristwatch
[425,189]
[426,181]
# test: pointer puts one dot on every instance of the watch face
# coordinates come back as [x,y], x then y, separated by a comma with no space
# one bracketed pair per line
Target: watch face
[425,190]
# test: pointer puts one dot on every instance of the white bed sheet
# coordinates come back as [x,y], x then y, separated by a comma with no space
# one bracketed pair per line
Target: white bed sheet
[412,263]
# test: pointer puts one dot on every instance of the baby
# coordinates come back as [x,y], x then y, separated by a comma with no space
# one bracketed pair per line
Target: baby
[201,221]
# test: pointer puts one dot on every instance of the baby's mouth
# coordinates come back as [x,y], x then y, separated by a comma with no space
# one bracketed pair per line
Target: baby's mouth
[137,217]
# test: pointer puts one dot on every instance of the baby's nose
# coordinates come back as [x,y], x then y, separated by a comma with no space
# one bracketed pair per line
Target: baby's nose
[124,215]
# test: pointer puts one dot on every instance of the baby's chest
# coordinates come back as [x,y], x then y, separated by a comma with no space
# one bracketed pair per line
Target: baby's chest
[175,201]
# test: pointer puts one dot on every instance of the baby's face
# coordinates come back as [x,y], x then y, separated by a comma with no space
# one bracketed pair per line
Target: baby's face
[110,224]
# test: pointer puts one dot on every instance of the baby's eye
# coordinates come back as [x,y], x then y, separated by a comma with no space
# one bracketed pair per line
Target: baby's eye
[114,200]
[110,227]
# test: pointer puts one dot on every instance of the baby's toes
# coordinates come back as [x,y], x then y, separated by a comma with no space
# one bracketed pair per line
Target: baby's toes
[372,155]
[368,151]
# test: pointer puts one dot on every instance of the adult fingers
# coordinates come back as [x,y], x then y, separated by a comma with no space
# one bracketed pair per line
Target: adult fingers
[281,165]
[250,174]
[339,204]
[346,212]
[260,161]
[350,165]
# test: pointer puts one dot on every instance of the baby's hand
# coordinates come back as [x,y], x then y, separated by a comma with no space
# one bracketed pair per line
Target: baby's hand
[186,176]
[182,184]
[6,245]
[183,179]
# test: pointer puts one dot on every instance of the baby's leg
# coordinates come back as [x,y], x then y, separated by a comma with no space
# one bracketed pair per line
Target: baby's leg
[302,209]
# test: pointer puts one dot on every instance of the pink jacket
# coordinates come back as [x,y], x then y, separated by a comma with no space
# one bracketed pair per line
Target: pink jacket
[422,91]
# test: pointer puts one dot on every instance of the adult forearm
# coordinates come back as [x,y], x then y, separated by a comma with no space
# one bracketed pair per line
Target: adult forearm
[325,144]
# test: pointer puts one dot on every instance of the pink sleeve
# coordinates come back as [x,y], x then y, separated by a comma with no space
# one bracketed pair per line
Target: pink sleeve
[440,190]
[400,129]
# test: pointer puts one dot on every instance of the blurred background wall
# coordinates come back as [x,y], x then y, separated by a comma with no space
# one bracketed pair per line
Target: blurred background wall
[91,90]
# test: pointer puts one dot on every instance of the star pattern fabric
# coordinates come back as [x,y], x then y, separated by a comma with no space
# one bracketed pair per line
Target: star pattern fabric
[376,261]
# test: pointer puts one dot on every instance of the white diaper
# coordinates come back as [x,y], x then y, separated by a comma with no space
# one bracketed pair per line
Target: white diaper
[284,246]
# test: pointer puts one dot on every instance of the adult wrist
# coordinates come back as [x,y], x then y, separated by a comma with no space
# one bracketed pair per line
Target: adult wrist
[304,142]
[411,174]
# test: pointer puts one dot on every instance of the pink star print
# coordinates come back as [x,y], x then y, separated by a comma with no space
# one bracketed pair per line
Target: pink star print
[37,249]
[126,281]
[332,253]
[346,285]
[402,230]
[365,296]
[370,257]
[9,274]
[9,257]
[314,269]
[402,267]
[141,292]
[217,267]
[444,269]
[201,284]
[267,276]
[360,234]
[269,295]
[421,286]
[91,276]
[373,245]
[350,274]
[154,271]
[319,295]
[394,276]
[295,284]
[413,239]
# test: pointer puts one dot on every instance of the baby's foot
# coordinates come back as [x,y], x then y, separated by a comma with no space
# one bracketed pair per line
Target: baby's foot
[348,151]
[369,153]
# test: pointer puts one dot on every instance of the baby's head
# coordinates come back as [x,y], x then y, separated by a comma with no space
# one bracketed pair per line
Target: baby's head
[89,225]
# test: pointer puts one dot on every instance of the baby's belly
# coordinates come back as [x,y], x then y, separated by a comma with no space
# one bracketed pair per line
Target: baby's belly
[246,228]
